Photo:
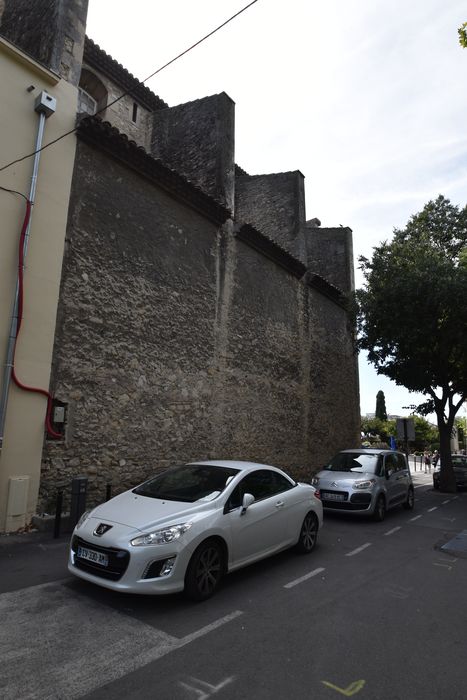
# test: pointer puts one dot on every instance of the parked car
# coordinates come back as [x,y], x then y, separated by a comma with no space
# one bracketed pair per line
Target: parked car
[185,528]
[365,482]
[459,464]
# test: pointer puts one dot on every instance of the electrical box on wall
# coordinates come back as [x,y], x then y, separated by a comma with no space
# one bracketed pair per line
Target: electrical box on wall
[58,416]
[45,103]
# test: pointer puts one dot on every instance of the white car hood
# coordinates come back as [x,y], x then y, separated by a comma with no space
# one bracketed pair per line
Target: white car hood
[141,512]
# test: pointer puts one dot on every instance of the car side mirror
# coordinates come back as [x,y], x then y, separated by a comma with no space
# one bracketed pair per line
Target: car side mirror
[248,499]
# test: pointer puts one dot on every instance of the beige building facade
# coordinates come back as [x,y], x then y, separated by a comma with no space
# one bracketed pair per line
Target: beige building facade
[23,80]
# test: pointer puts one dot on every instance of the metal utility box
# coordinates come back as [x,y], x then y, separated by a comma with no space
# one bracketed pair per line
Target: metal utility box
[18,488]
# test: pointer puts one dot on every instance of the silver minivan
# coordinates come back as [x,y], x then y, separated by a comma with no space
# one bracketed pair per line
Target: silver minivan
[365,482]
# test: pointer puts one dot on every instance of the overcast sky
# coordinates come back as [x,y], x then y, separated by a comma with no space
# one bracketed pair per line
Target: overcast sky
[367,98]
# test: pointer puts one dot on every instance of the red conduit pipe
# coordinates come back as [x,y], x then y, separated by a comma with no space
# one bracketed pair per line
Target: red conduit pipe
[48,423]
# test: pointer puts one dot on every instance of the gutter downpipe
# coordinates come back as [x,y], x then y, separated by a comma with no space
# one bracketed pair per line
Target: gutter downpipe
[45,105]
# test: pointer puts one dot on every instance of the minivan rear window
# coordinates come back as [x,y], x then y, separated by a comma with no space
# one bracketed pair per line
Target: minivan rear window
[355,462]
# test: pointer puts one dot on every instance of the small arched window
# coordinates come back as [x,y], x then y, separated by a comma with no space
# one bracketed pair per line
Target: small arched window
[92,93]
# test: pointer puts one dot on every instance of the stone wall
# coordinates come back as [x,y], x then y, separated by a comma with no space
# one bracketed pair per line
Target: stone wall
[176,340]
[51,32]
[330,254]
[197,140]
[275,205]
[120,111]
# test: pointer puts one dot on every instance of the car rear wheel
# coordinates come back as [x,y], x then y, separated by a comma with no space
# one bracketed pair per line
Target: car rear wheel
[410,500]
[308,534]
[380,509]
[204,571]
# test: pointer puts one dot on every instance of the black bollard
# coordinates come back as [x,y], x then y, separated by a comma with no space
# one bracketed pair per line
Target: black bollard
[79,486]
[58,514]
[108,492]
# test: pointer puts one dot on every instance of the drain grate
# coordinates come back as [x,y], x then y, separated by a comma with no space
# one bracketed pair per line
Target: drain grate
[457,545]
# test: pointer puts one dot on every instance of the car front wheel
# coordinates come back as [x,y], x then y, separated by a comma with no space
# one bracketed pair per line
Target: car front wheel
[308,534]
[204,571]
[380,509]
[410,500]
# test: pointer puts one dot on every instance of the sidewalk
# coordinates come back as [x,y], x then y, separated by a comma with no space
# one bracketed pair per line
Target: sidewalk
[32,559]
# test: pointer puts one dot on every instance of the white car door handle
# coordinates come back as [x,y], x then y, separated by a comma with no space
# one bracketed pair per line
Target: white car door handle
[279,504]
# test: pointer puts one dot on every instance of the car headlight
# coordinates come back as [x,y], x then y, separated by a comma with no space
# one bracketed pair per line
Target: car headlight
[83,518]
[164,536]
[367,484]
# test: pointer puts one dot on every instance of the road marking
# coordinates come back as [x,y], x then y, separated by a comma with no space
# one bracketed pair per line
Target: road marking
[303,578]
[394,529]
[43,626]
[356,551]
[420,486]
[446,501]
[416,518]
[430,510]
[398,591]
[351,689]
[205,690]
[446,566]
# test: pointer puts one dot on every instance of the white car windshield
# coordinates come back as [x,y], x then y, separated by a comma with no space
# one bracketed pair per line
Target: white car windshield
[188,483]
[355,462]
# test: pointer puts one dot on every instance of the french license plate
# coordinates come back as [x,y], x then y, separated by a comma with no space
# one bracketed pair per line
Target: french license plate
[333,496]
[91,555]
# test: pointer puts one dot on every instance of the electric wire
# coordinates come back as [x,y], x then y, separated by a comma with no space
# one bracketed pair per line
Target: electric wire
[183,53]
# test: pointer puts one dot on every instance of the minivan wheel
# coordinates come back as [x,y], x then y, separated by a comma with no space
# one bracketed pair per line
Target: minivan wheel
[205,571]
[380,509]
[308,534]
[410,500]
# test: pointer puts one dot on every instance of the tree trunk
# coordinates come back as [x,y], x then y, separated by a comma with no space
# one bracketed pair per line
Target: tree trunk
[447,479]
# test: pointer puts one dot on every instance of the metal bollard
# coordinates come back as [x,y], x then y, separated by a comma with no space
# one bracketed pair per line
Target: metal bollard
[58,514]
[79,487]
[108,492]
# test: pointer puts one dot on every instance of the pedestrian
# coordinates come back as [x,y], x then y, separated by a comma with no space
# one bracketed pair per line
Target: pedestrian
[427,461]
[435,458]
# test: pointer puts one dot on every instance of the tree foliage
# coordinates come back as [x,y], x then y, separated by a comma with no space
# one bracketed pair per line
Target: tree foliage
[380,411]
[463,35]
[412,315]
[380,431]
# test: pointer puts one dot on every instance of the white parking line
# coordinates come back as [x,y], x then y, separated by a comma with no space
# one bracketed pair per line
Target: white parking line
[394,529]
[416,518]
[430,510]
[303,578]
[420,486]
[38,640]
[359,549]
[446,501]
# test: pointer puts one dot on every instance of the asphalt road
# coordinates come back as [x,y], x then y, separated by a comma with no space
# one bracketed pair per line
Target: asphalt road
[378,611]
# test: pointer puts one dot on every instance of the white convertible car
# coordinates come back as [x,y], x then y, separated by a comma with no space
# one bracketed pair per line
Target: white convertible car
[186,527]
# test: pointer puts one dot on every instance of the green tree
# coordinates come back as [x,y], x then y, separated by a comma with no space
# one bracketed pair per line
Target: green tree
[412,315]
[426,434]
[381,412]
[461,425]
[377,429]
[463,35]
